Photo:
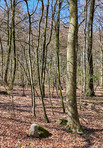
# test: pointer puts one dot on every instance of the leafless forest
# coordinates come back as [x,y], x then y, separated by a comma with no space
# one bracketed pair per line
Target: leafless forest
[51,70]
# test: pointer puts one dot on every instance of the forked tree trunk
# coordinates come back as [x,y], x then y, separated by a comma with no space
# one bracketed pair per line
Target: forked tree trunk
[73,119]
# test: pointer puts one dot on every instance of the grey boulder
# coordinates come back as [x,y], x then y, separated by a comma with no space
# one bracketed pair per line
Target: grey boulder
[37,131]
[33,132]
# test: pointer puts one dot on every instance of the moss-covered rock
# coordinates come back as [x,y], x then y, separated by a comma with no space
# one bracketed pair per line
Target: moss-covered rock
[38,131]
[62,121]
[3,92]
[43,133]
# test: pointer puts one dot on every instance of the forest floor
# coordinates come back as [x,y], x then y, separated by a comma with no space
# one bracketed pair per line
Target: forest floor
[15,121]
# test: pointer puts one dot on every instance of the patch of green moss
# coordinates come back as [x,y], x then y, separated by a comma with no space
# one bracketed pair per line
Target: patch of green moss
[81,130]
[10,89]
[62,121]
[3,92]
[43,133]
[69,130]
[88,93]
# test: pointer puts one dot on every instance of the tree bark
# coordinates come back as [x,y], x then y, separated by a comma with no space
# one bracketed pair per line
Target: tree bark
[90,41]
[101,49]
[85,48]
[13,43]
[9,37]
[43,71]
[38,68]
[73,118]
[30,61]
[57,27]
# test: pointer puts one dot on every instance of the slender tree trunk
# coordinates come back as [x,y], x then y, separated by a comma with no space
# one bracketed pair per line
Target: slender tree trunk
[30,62]
[84,49]
[2,53]
[13,43]
[38,69]
[30,69]
[90,42]
[101,49]
[44,53]
[8,59]
[73,118]
[9,37]
[102,67]
[50,36]
[57,26]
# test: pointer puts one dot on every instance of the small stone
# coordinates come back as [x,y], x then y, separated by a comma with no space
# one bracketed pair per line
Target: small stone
[33,132]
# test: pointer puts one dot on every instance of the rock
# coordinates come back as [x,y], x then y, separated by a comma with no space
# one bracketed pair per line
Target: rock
[37,131]
[62,121]
[33,132]
[43,133]
[3,92]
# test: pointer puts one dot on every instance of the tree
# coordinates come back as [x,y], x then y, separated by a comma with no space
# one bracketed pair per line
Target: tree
[90,40]
[84,48]
[38,66]
[73,119]
[30,60]
[57,28]
[9,38]
[13,41]
[101,50]
[44,55]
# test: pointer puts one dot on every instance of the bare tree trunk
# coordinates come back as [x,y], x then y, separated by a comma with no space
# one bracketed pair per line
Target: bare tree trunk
[8,59]
[57,26]
[84,49]
[30,62]
[2,53]
[101,49]
[30,69]
[102,67]
[9,37]
[73,118]
[13,43]
[44,53]
[90,40]
[38,69]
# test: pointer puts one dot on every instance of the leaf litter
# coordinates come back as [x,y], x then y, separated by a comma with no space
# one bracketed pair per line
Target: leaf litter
[16,118]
